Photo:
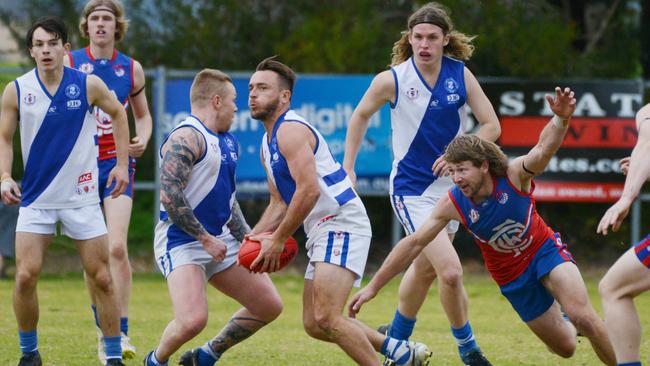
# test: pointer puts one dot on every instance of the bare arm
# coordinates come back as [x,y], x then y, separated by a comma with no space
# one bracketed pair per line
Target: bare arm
[8,123]
[489,129]
[405,252]
[238,226]
[381,91]
[522,169]
[296,142]
[140,108]
[276,209]
[100,96]
[638,173]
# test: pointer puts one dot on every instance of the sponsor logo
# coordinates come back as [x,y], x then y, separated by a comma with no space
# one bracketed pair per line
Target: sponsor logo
[214,147]
[233,156]
[508,238]
[276,156]
[502,197]
[230,143]
[412,93]
[72,91]
[85,177]
[119,70]
[85,184]
[87,68]
[338,234]
[451,85]
[29,99]
[453,98]
[51,110]
[73,104]
[337,252]
[473,215]
[325,219]
[434,104]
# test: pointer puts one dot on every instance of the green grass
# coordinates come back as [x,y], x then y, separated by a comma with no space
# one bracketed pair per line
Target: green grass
[67,335]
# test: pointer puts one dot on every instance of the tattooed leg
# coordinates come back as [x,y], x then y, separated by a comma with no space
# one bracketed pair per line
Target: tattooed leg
[237,329]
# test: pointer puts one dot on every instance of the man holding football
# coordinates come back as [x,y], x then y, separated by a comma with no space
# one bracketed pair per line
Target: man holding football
[200,227]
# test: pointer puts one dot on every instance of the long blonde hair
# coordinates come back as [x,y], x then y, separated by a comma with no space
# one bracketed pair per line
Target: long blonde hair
[116,7]
[459,47]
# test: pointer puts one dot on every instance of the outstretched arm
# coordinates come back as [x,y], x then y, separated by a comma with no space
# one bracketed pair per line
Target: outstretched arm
[638,172]
[405,252]
[522,169]
[381,91]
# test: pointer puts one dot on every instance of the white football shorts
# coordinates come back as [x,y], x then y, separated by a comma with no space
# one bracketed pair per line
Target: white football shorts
[194,254]
[81,223]
[344,249]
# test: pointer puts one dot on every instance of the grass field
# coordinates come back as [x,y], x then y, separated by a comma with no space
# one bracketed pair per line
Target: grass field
[67,335]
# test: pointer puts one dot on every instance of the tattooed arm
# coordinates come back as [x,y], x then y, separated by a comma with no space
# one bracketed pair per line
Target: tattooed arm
[237,224]
[184,147]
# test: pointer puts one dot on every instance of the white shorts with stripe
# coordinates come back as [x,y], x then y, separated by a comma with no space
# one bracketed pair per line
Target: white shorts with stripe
[194,254]
[413,211]
[344,249]
[81,223]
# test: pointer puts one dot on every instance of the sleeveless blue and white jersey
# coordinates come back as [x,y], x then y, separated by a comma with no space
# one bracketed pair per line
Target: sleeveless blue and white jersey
[58,138]
[210,190]
[338,206]
[424,119]
[117,74]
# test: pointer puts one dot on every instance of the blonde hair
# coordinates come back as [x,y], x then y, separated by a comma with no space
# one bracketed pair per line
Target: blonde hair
[476,150]
[116,7]
[206,84]
[459,47]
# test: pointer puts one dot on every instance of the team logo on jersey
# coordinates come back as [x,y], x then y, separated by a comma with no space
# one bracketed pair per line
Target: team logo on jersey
[473,215]
[214,147]
[502,197]
[119,70]
[509,238]
[87,68]
[451,85]
[51,110]
[276,156]
[72,91]
[29,99]
[230,143]
[412,93]
[434,104]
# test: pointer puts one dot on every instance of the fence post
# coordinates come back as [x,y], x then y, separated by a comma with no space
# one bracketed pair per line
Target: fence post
[159,117]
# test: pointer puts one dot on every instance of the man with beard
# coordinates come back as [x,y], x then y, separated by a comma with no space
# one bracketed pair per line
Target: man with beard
[308,186]
[493,199]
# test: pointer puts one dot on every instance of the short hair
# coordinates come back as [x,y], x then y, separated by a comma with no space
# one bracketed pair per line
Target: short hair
[287,76]
[476,150]
[206,84]
[50,24]
[115,6]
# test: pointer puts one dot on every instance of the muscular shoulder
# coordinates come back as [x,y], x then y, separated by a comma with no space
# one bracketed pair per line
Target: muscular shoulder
[187,141]
[291,135]
[138,76]
[10,96]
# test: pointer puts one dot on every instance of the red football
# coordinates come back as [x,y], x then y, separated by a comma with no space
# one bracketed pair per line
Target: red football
[250,249]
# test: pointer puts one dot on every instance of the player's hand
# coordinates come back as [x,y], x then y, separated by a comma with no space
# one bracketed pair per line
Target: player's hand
[614,216]
[564,103]
[10,192]
[440,168]
[363,296]
[625,165]
[119,174]
[137,147]
[270,252]
[215,247]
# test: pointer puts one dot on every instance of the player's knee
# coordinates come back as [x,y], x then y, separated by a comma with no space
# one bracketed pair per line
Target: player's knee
[586,321]
[26,280]
[118,250]
[191,325]
[101,280]
[451,276]
[607,290]
[325,320]
[311,327]
[565,348]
